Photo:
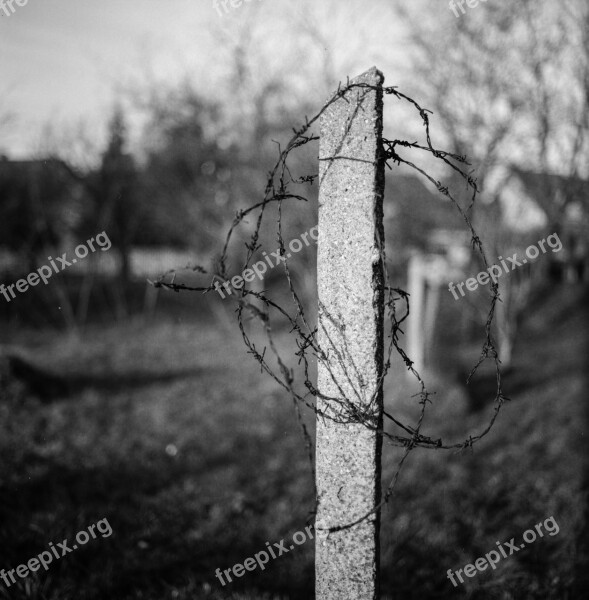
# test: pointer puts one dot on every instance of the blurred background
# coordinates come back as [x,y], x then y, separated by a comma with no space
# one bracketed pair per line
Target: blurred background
[155,122]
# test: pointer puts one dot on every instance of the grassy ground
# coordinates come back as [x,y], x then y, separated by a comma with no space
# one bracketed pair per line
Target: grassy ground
[171,433]
[452,509]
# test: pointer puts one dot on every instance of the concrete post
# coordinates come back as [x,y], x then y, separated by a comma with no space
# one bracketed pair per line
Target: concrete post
[350,289]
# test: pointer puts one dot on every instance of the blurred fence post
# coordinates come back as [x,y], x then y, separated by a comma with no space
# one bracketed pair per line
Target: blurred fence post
[351,306]
[415,321]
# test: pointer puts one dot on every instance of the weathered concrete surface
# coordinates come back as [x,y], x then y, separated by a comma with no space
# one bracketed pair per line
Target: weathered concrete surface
[350,285]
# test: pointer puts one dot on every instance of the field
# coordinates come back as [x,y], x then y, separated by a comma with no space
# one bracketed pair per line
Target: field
[168,429]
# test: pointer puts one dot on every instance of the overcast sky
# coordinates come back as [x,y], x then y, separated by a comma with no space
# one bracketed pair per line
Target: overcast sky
[63,60]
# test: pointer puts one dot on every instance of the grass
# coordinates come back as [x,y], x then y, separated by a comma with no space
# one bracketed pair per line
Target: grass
[194,457]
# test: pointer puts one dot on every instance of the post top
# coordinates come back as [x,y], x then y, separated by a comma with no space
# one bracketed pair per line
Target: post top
[372,76]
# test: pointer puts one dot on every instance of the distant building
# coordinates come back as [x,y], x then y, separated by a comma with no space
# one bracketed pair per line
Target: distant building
[419,219]
[564,202]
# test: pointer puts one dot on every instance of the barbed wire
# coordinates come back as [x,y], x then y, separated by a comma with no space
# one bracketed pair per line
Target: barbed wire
[278,191]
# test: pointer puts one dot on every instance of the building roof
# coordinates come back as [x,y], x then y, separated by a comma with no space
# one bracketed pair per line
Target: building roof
[553,193]
[19,168]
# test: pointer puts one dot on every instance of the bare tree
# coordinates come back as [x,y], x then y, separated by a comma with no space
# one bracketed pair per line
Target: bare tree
[512,90]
